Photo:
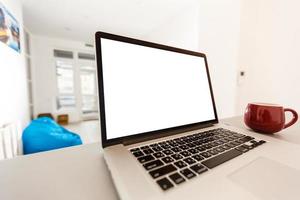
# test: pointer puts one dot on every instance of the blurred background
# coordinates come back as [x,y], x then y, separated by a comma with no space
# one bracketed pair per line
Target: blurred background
[253,50]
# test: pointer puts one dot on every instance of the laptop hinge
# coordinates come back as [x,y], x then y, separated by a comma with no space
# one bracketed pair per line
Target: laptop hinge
[164,134]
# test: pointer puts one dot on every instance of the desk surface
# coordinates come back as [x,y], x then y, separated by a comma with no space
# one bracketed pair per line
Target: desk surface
[74,173]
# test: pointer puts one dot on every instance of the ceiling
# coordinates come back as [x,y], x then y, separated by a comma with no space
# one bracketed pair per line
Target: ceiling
[80,19]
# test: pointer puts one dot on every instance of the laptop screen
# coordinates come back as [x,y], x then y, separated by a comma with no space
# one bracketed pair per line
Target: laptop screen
[147,89]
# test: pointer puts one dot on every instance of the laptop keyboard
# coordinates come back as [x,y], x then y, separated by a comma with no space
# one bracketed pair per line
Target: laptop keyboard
[175,161]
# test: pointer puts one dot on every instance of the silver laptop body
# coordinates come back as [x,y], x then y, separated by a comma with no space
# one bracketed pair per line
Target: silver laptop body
[161,136]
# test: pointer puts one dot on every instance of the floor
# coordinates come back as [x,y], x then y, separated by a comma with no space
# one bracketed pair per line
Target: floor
[89,131]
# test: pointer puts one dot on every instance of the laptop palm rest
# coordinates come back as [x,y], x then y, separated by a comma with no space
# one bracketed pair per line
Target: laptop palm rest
[267,179]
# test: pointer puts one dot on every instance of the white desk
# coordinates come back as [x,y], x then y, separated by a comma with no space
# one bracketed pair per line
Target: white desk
[77,173]
[73,173]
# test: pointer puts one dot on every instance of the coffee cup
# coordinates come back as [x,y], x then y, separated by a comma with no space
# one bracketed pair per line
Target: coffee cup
[268,118]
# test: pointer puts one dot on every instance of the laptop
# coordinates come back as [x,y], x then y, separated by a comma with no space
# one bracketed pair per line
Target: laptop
[160,131]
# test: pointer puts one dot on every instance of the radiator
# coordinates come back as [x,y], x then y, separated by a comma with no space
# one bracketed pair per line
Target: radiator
[10,140]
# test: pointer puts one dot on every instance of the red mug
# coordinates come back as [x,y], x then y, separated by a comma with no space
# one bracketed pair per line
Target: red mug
[268,118]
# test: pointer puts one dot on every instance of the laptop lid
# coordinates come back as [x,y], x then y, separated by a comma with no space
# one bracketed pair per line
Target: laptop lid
[148,89]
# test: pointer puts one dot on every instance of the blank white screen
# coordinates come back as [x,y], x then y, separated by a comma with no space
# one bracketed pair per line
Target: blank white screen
[147,89]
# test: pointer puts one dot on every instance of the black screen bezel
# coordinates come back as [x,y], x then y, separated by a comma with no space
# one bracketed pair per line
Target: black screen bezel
[108,142]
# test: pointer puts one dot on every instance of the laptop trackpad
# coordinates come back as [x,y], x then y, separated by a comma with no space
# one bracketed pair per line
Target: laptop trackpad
[268,179]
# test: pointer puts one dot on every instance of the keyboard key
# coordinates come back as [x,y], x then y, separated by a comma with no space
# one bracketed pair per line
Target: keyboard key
[242,149]
[201,148]
[180,142]
[168,152]
[183,147]
[216,137]
[157,148]
[198,143]
[158,155]
[204,147]
[153,164]
[247,146]
[176,149]
[173,145]
[219,142]
[162,143]
[214,144]
[209,146]
[234,143]
[219,149]
[205,154]
[147,151]
[221,158]
[236,136]
[165,184]
[231,138]
[189,160]
[145,147]
[198,168]
[185,153]
[162,171]
[176,156]
[225,147]
[197,157]
[187,140]
[187,173]
[261,142]
[238,142]
[166,146]
[153,145]
[212,152]
[246,139]
[230,145]
[135,149]
[138,153]
[145,158]
[254,143]
[239,135]
[180,164]
[193,151]
[191,145]
[177,178]
[222,148]
[167,159]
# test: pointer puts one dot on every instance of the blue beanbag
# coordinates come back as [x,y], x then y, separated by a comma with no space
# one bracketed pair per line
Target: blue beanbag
[44,134]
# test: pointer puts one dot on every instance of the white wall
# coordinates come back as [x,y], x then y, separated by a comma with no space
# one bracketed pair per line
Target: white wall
[211,27]
[258,37]
[270,52]
[219,32]
[44,74]
[181,30]
[195,27]
[14,105]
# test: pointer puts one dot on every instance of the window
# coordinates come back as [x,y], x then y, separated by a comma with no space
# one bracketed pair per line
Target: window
[63,54]
[76,83]
[88,89]
[86,56]
[65,84]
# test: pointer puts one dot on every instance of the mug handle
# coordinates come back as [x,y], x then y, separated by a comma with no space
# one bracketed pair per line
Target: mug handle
[295,117]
